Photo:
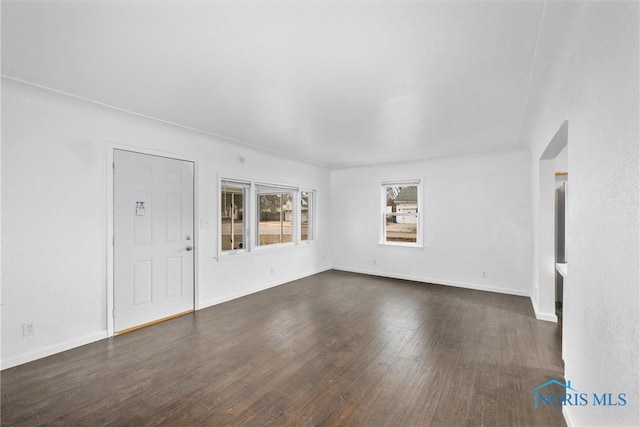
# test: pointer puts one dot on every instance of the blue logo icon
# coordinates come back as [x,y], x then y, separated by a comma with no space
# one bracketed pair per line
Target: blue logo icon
[569,396]
[549,397]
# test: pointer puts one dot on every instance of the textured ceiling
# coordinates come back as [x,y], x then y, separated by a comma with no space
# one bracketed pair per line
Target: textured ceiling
[335,83]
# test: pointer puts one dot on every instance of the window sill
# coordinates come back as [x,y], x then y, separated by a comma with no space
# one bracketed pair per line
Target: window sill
[401,245]
[260,250]
[230,255]
[274,246]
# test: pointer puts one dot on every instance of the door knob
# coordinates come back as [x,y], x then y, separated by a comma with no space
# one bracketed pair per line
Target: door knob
[189,248]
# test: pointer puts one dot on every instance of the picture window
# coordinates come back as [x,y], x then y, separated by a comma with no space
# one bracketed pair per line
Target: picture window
[401,213]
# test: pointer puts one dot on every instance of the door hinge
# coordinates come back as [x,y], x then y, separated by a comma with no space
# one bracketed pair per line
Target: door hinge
[113,167]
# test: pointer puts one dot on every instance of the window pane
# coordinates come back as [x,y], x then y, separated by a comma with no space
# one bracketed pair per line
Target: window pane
[232,217]
[401,228]
[401,214]
[275,218]
[306,216]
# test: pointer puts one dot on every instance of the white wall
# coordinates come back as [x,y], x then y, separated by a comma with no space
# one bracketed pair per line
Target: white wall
[54,198]
[593,82]
[477,218]
[562,160]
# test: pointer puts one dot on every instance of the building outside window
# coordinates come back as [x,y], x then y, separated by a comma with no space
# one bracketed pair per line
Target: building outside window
[401,216]
[276,215]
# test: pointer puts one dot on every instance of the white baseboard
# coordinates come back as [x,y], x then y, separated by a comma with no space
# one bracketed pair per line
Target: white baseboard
[567,417]
[456,284]
[225,298]
[549,317]
[87,339]
[30,356]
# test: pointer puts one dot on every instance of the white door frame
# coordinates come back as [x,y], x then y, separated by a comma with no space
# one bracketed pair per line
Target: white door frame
[111,147]
[546,261]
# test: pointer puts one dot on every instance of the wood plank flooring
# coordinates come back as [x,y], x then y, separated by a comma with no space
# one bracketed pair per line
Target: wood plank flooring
[334,349]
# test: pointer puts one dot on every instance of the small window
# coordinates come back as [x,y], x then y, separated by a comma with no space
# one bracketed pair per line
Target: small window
[401,216]
[306,216]
[233,224]
[276,214]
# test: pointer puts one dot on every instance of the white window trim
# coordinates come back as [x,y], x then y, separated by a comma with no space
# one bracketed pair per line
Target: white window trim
[248,208]
[269,188]
[310,211]
[253,190]
[383,217]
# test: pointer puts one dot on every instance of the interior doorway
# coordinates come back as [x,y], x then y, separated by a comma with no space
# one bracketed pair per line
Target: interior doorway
[560,237]
[553,210]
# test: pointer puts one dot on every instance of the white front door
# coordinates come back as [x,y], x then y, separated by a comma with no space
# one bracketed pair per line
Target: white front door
[153,238]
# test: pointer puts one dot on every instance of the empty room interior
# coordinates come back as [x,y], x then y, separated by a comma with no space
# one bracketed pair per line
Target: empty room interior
[356,213]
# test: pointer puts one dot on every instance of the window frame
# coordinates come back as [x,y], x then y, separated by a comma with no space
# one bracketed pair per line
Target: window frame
[262,189]
[247,208]
[252,190]
[418,215]
[311,217]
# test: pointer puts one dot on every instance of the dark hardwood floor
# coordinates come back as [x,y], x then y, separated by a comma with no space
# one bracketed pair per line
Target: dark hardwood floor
[332,349]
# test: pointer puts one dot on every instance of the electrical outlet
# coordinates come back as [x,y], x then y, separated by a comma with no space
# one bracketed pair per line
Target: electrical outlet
[375,262]
[28,329]
[484,274]
[273,270]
